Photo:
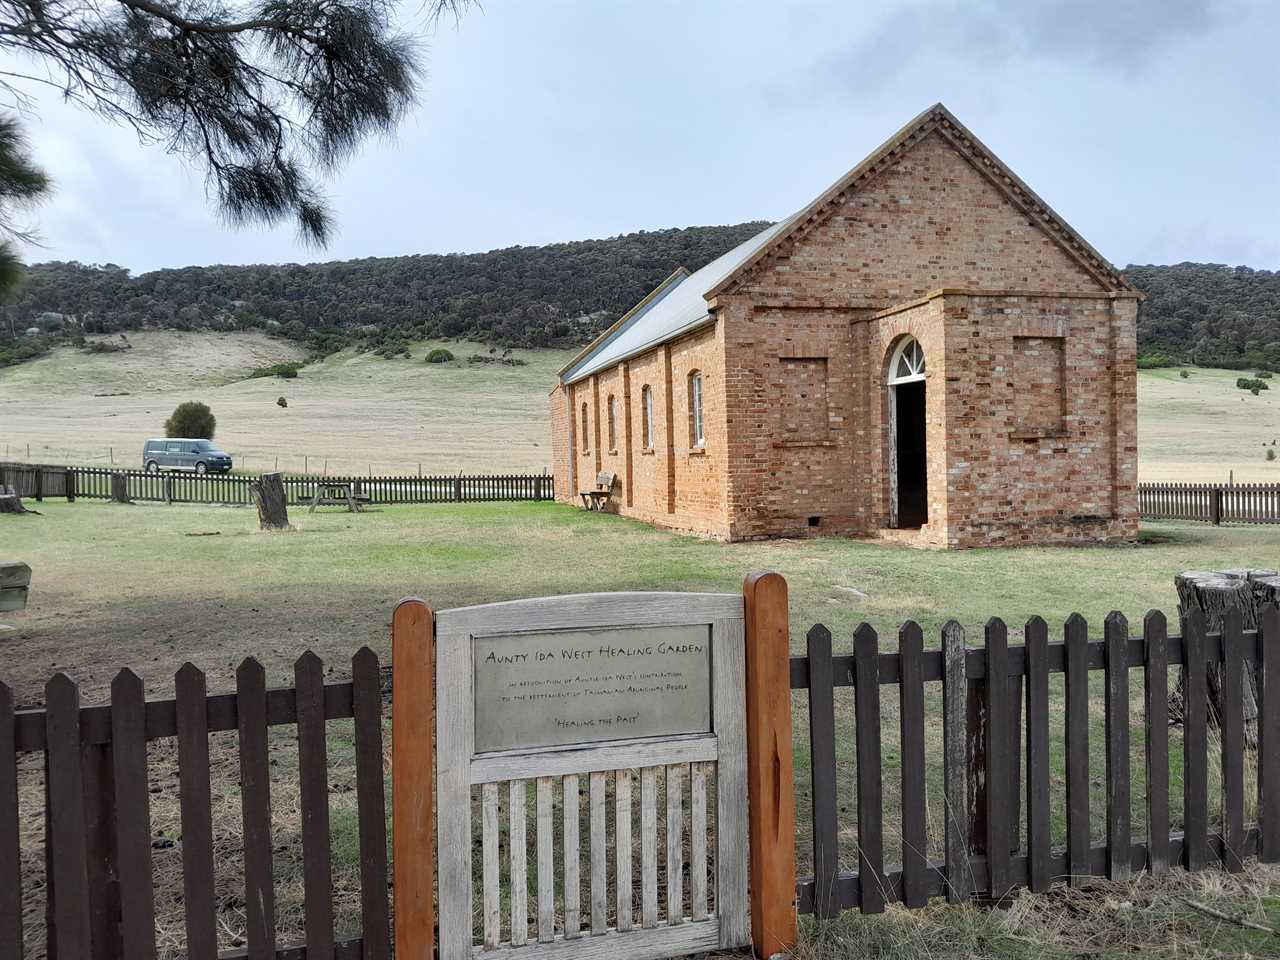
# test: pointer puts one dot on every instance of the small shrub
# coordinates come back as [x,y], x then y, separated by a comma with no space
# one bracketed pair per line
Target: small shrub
[286,371]
[191,419]
[281,402]
[439,355]
[1271,454]
[1265,374]
[1252,384]
[1153,361]
[1183,374]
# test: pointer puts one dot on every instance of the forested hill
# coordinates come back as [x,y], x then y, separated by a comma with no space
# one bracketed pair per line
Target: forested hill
[556,295]
[1210,314]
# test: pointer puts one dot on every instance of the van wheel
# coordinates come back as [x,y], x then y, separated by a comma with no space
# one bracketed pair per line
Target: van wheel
[153,467]
[201,469]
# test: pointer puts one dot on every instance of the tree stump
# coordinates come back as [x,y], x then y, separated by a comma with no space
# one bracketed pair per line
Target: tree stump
[269,497]
[120,488]
[1214,592]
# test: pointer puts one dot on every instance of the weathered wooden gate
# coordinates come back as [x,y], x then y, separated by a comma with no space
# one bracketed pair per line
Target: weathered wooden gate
[582,692]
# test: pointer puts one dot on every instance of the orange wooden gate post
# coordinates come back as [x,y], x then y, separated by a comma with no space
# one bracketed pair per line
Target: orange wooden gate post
[769,765]
[413,673]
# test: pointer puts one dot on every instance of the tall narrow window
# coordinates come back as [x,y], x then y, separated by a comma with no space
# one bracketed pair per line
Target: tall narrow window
[646,407]
[697,436]
[586,443]
[613,433]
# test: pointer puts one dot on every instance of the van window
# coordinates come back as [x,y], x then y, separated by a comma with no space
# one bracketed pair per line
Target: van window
[173,448]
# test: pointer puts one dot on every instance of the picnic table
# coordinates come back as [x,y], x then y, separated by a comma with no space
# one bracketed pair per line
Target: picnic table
[335,493]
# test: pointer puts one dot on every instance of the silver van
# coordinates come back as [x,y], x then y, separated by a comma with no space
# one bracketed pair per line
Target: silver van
[178,453]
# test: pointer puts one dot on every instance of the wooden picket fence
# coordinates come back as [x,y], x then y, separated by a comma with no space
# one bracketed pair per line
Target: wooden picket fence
[94,483]
[985,853]
[1214,503]
[98,833]
[98,851]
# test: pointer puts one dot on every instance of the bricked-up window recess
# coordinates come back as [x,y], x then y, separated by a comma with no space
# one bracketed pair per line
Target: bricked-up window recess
[801,413]
[613,433]
[1036,376]
[697,436]
[586,442]
[646,407]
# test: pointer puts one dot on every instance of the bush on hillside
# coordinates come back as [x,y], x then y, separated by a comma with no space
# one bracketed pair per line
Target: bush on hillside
[1265,374]
[1152,361]
[1271,454]
[1252,384]
[439,355]
[1183,374]
[286,371]
[191,419]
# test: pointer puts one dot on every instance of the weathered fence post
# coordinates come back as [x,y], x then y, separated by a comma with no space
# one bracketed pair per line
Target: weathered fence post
[769,765]
[168,489]
[70,484]
[457,489]
[1215,505]
[412,763]
[39,478]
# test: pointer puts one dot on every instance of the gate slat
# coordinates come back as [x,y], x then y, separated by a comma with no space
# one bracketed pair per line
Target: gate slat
[133,814]
[599,854]
[10,843]
[675,844]
[255,805]
[1156,686]
[1119,860]
[1038,812]
[1269,735]
[1195,749]
[649,846]
[1076,641]
[492,882]
[871,877]
[955,764]
[822,753]
[197,814]
[518,879]
[622,847]
[999,712]
[915,837]
[313,787]
[66,817]
[1232,741]
[698,773]
[546,862]
[571,803]
[371,802]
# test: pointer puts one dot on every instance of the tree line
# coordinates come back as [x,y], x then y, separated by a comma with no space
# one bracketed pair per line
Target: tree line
[557,295]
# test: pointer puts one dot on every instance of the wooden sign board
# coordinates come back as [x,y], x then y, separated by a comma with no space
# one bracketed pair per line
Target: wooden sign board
[632,703]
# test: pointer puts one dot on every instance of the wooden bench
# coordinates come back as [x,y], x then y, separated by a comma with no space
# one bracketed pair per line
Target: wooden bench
[337,495]
[598,497]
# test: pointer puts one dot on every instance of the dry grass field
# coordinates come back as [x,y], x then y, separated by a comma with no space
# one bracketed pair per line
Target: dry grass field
[356,413]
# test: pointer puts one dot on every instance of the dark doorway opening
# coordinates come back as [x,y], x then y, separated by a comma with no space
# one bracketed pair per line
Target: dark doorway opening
[909,445]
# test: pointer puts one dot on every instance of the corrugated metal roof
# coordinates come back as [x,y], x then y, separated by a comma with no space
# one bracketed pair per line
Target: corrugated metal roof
[681,306]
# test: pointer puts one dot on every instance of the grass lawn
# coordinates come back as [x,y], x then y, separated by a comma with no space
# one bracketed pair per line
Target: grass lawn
[152,586]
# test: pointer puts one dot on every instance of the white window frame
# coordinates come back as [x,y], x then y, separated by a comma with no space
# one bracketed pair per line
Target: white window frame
[699,437]
[646,406]
[586,432]
[908,349]
[613,428]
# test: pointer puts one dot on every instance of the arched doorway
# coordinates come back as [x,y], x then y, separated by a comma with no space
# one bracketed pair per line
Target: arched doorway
[908,473]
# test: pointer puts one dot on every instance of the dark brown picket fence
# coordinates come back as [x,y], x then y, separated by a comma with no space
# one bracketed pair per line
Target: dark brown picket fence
[985,851]
[1210,502]
[98,833]
[94,483]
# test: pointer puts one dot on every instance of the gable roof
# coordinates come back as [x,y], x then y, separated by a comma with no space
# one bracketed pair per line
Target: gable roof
[681,302]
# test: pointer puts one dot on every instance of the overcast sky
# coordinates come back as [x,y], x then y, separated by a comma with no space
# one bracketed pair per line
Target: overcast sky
[1152,126]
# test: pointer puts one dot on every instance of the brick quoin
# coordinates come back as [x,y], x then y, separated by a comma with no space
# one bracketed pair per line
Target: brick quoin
[1030,389]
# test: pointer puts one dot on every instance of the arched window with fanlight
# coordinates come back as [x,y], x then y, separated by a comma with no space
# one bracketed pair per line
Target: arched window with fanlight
[908,455]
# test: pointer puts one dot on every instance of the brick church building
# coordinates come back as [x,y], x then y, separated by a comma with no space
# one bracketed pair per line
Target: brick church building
[925,354]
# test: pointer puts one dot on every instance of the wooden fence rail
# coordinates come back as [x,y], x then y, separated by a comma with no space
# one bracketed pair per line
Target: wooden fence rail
[98,832]
[985,851]
[94,483]
[1214,503]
